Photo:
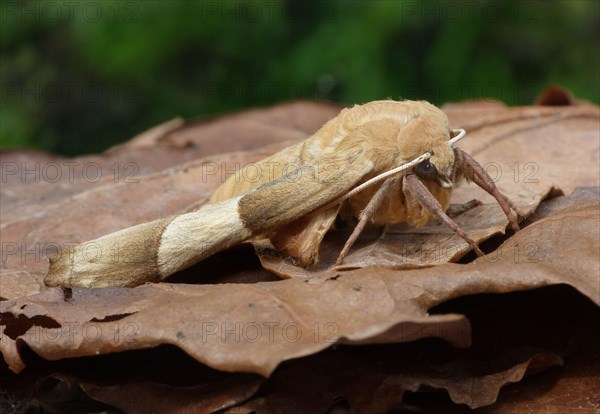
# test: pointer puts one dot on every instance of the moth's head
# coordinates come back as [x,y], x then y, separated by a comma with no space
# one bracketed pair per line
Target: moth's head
[430,132]
[432,170]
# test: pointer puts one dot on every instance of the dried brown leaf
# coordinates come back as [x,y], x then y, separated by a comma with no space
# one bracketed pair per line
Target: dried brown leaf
[254,327]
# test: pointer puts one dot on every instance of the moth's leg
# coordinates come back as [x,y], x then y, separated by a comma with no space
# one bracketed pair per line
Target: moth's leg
[366,215]
[473,171]
[418,190]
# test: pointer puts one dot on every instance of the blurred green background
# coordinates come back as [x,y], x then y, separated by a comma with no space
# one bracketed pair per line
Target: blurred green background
[80,76]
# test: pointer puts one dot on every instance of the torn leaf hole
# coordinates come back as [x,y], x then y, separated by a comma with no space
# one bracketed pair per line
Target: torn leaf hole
[15,327]
[488,246]
[112,318]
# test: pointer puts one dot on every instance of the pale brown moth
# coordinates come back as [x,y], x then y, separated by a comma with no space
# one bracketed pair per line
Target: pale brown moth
[384,162]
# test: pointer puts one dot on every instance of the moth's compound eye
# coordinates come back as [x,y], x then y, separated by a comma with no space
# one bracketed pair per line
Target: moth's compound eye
[426,170]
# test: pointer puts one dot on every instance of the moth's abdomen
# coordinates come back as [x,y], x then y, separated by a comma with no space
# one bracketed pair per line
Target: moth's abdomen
[149,252]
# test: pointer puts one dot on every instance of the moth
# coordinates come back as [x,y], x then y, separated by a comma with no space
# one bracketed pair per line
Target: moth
[384,162]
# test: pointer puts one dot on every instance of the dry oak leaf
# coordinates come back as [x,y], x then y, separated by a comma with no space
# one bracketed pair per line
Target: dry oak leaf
[254,327]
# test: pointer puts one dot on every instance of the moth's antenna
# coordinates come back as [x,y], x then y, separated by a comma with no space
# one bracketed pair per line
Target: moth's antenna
[461,133]
[381,177]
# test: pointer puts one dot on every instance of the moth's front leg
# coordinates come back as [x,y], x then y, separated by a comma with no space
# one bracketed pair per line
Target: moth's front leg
[473,171]
[415,189]
[366,215]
